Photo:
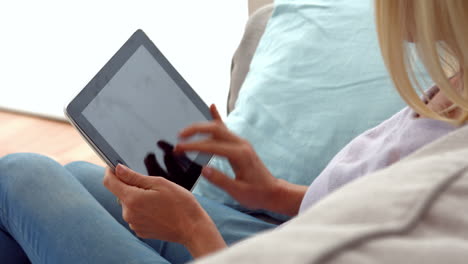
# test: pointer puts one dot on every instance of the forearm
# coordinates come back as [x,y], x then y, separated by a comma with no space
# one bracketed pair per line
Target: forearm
[286,198]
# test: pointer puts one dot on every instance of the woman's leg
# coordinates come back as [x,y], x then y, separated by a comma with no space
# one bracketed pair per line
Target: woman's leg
[55,220]
[232,224]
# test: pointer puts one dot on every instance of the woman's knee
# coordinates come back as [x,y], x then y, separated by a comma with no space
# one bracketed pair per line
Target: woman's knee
[85,172]
[90,176]
[26,169]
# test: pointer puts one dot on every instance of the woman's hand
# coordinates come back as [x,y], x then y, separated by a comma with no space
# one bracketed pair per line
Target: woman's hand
[159,209]
[254,186]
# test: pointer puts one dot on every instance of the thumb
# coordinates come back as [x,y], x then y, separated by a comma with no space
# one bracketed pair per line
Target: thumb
[219,179]
[132,178]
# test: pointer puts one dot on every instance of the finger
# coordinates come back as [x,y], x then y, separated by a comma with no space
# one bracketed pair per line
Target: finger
[144,235]
[215,129]
[140,227]
[210,146]
[133,178]
[126,215]
[219,179]
[117,187]
[133,220]
[214,113]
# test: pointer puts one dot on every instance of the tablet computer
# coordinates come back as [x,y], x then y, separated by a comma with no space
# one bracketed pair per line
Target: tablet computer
[132,110]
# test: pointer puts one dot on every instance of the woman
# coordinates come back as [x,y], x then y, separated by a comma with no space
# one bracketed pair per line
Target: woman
[62,214]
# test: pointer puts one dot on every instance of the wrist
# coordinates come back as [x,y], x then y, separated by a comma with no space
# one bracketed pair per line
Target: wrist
[286,197]
[203,237]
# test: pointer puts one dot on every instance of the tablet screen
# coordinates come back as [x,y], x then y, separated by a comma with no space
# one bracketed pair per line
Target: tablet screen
[135,110]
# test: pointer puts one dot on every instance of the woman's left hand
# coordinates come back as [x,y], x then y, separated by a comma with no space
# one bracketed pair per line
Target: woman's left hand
[159,209]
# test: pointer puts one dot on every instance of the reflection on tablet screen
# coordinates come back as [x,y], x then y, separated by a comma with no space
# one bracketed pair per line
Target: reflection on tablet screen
[143,133]
[176,164]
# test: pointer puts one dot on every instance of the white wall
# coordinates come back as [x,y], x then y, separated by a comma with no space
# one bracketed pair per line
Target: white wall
[50,49]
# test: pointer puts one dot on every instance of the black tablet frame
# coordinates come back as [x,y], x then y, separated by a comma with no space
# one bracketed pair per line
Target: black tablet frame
[74,109]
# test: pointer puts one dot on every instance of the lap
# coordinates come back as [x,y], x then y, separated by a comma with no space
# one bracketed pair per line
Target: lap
[55,220]
[232,224]
[72,216]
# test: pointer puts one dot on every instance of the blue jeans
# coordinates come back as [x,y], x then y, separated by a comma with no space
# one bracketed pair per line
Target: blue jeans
[62,214]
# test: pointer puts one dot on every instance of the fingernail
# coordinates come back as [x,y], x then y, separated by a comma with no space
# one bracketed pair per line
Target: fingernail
[120,169]
[207,171]
[178,147]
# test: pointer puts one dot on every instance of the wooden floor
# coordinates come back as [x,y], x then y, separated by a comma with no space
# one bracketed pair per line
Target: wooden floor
[58,140]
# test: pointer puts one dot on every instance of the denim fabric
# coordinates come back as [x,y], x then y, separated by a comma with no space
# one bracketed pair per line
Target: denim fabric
[63,214]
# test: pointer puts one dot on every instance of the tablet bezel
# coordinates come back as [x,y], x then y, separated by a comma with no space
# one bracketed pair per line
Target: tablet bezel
[75,108]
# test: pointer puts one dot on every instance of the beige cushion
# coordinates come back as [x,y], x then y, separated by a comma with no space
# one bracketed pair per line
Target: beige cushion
[415,211]
[242,58]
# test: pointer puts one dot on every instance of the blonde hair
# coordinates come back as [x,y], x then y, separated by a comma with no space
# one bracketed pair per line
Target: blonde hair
[439,30]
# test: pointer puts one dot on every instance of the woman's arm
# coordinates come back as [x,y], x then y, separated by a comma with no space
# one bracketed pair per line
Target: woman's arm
[253,186]
[159,209]
[205,239]
[286,198]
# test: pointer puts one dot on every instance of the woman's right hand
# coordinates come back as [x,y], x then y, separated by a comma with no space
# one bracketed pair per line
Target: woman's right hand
[253,186]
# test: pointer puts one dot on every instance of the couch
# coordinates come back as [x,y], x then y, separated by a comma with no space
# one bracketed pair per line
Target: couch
[411,212]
